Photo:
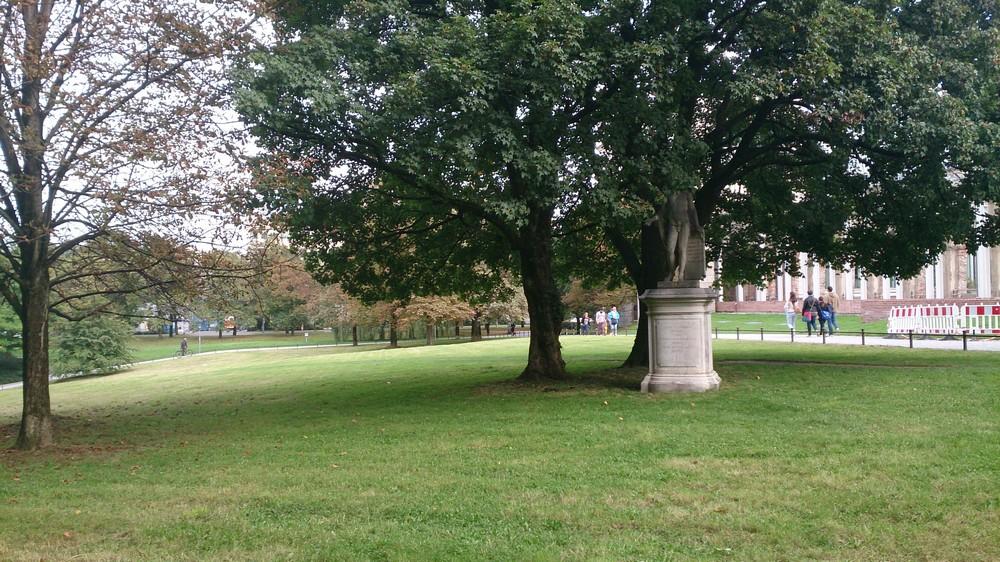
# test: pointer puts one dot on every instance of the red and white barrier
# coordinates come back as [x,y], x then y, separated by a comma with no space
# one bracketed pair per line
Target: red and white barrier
[983,319]
[945,319]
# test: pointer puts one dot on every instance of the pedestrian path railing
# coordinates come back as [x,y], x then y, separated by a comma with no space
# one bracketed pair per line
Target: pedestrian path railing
[910,338]
[946,319]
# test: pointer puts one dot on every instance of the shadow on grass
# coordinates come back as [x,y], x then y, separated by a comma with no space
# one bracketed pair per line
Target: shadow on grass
[627,379]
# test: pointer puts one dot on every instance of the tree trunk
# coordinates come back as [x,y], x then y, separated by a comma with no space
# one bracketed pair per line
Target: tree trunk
[234,329]
[652,268]
[487,328]
[477,328]
[639,356]
[458,330]
[32,233]
[431,333]
[36,415]
[393,329]
[221,328]
[354,335]
[545,308]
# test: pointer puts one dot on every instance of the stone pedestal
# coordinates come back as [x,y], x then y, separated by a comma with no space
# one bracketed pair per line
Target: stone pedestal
[680,340]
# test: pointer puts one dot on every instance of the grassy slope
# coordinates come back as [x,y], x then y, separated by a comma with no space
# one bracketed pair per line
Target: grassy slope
[159,347]
[776,322]
[155,347]
[428,453]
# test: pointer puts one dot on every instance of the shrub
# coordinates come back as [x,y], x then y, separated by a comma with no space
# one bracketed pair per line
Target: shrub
[99,343]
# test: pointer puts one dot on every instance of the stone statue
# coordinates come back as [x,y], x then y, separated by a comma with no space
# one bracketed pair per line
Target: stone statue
[680,308]
[677,221]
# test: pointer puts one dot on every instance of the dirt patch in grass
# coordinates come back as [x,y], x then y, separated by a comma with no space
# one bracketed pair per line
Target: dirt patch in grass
[13,458]
[63,452]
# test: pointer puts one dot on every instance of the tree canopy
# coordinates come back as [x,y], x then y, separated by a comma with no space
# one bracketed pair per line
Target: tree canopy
[109,128]
[433,150]
[411,145]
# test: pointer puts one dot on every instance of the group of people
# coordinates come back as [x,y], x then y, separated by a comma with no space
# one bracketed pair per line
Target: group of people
[607,322]
[822,310]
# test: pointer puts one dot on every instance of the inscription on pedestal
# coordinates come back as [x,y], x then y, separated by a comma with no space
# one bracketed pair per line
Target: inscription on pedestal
[676,342]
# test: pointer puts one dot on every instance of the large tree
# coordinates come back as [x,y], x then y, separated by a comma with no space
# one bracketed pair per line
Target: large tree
[859,133]
[107,122]
[422,142]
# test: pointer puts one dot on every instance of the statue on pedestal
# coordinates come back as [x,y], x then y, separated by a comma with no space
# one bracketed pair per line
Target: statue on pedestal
[683,239]
[679,308]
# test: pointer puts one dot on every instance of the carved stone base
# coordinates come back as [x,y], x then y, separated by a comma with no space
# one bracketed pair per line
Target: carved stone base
[680,340]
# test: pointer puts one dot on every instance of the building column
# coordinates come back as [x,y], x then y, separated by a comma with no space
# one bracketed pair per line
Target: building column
[816,279]
[938,279]
[803,271]
[849,284]
[929,281]
[885,288]
[934,274]
[739,293]
[995,271]
[983,267]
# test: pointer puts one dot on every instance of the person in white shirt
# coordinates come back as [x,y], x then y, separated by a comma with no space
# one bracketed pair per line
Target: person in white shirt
[601,319]
[613,318]
[790,311]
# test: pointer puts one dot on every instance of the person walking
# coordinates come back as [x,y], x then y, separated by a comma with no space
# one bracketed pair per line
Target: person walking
[601,319]
[824,317]
[810,312]
[613,318]
[790,311]
[585,324]
[833,300]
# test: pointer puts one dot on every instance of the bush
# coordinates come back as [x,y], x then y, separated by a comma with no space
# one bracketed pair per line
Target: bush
[99,343]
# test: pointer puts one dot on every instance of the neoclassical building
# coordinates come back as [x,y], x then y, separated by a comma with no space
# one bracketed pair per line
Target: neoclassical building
[956,277]
[956,274]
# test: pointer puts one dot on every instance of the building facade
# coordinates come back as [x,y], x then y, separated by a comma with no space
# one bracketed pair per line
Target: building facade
[957,276]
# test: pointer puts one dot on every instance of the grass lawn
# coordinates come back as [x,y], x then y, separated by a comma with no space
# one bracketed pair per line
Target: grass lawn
[158,347]
[776,322]
[431,453]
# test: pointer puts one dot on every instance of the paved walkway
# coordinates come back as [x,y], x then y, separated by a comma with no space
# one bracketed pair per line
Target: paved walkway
[974,343]
[192,355]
